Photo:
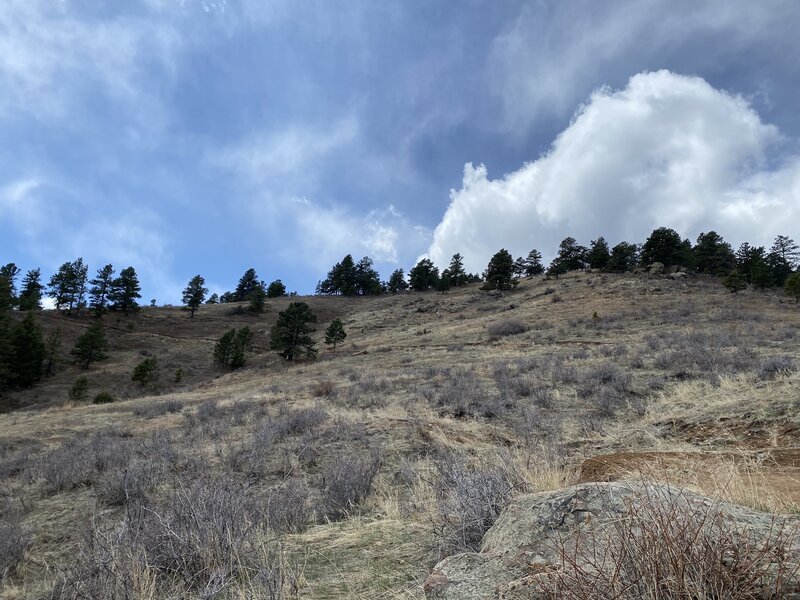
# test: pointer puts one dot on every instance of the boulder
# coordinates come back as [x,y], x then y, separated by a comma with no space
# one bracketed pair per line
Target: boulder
[656,268]
[679,276]
[523,554]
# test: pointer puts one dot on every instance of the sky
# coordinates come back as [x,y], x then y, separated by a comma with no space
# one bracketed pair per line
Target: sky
[188,137]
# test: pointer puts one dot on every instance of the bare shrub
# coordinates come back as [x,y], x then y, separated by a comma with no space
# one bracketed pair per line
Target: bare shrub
[67,467]
[462,395]
[470,498]
[289,508]
[506,327]
[775,366]
[133,482]
[151,410]
[666,545]
[304,419]
[325,388]
[369,393]
[203,540]
[14,541]
[347,480]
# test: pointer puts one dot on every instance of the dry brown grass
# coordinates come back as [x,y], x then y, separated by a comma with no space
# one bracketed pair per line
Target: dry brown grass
[555,400]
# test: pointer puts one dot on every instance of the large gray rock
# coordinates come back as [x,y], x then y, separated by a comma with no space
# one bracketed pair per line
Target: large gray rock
[656,268]
[522,554]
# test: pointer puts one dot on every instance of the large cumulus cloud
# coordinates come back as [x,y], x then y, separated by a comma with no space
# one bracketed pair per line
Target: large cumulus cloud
[666,150]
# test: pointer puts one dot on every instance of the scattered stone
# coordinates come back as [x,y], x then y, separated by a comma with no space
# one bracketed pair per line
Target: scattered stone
[656,268]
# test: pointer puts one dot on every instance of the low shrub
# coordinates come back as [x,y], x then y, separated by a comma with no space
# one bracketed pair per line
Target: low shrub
[347,480]
[506,327]
[103,398]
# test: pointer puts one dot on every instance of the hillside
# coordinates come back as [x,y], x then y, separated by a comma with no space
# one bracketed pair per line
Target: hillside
[259,482]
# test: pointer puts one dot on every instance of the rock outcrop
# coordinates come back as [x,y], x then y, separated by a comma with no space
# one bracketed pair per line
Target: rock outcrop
[523,554]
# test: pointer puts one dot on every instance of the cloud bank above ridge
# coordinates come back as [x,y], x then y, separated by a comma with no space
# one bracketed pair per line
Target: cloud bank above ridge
[666,150]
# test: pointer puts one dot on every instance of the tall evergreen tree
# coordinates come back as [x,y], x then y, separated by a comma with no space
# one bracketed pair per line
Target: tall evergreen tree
[7,300]
[276,289]
[456,272]
[713,255]
[571,255]
[91,346]
[125,291]
[246,286]
[624,257]
[397,282]
[27,352]
[290,335]
[665,246]
[68,285]
[555,268]
[783,258]
[342,279]
[423,276]
[194,294]
[519,267]
[445,283]
[368,282]
[30,296]
[791,286]
[335,334]
[102,286]
[10,272]
[599,254]
[735,282]
[499,274]
[533,264]
[258,299]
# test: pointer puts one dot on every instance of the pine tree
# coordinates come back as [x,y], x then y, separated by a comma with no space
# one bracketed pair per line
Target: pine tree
[445,282]
[30,297]
[519,267]
[242,342]
[783,258]
[102,286]
[290,335]
[223,349]
[792,286]
[713,255]
[27,352]
[125,291]
[624,257]
[735,282]
[499,273]
[571,255]
[79,392]
[533,264]
[555,269]
[423,276]
[7,300]
[9,272]
[68,285]
[599,254]
[91,346]
[146,372]
[213,299]
[368,282]
[456,272]
[52,347]
[194,294]
[276,289]
[257,299]
[335,334]
[397,282]
[248,283]
[665,246]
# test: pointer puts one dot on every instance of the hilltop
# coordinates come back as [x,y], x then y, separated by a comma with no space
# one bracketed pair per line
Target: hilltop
[353,474]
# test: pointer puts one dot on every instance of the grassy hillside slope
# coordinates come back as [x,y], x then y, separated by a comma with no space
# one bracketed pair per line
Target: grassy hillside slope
[349,476]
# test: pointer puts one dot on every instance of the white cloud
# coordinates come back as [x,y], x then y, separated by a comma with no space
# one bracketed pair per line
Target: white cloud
[20,204]
[666,150]
[548,58]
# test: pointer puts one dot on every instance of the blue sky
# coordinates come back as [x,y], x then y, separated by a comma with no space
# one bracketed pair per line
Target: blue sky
[199,136]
